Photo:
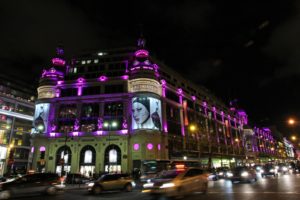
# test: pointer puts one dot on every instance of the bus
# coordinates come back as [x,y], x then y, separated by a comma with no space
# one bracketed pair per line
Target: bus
[150,168]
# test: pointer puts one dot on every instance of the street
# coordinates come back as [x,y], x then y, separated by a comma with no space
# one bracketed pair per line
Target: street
[285,187]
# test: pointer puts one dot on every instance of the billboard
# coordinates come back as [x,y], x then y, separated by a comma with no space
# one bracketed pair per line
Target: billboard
[146,113]
[41,118]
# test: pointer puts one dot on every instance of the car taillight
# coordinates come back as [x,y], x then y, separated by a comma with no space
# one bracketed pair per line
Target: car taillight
[62,179]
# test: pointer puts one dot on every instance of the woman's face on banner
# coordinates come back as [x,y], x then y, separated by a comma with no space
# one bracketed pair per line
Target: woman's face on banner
[139,112]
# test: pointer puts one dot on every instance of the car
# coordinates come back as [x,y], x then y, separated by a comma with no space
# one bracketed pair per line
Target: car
[76,179]
[269,170]
[224,172]
[282,168]
[48,183]
[243,174]
[177,183]
[110,182]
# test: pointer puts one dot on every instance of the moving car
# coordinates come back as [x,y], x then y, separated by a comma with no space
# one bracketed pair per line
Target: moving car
[283,168]
[29,184]
[269,170]
[110,182]
[76,179]
[177,183]
[243,174]
[224,172]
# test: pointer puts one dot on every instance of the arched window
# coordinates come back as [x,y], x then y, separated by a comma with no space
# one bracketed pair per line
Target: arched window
[113,155]
[64,153]
[88,155]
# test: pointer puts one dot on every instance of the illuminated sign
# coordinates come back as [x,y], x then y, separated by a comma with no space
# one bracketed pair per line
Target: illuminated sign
[46,92]
[41,118]
[146,113]
[144,85]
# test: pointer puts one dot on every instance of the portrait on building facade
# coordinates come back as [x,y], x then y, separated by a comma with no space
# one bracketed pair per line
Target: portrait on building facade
[41,118]
[146,113]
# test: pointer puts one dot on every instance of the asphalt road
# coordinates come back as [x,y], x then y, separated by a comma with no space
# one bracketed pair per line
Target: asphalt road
[284,187]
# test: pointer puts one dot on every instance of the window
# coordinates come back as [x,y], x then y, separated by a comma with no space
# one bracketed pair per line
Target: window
[67,111]
[88,155]
[113,109]
[113,155]
[69,92]
[108,89]
[90,110]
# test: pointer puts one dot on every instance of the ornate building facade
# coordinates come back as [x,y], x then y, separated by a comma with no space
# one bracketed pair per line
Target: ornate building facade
[112,110]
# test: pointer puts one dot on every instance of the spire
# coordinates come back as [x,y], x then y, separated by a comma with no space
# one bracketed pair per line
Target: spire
[141,41]
[58,60]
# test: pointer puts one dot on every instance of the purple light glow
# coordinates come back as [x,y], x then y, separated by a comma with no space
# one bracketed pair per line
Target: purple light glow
[80,80]
[124,125]
[149,146]
[141,53]
[125,77]
[163,82]
[42,148]
[158,146]
[166,127]
[155,67]
[182,131]
[75,134]
[179,91]
[57,93]
[193,98]
[79,91]
[32,149]
[52,134]
[99,132]
[123,132]
[204,104]
[102,78]
[58,62]
[60,82]
[136,147]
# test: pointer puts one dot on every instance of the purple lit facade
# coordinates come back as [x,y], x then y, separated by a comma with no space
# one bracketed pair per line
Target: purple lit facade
[94,106]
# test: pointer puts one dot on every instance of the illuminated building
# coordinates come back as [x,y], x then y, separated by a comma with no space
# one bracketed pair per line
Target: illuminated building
[16,111]
[112,110]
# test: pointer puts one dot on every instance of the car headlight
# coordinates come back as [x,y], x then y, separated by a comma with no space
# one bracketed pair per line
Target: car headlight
[133,184]
[167,185]
[244,174]
[271,170]
[91,184]
[229,174]
[262,171]
[148,185]
[221,173]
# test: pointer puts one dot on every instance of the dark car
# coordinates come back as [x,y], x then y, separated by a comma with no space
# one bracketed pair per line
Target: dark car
[76,179]
[283,168]
[269,170]
[224,172]
[29,184]
[110,182]
[243,174]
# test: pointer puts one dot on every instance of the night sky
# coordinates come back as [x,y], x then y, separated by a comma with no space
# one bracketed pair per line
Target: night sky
[248,51]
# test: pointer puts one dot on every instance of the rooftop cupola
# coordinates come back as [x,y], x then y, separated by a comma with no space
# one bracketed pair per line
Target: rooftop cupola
[141,66]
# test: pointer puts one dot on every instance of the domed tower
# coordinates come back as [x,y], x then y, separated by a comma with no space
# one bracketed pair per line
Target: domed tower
[47,90]
[52,77]
[147,137]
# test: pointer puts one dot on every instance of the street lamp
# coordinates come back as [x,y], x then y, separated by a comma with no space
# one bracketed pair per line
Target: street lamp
[294,138]
[291,121]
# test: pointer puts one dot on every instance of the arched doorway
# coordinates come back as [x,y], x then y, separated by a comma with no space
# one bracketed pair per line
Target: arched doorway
[87,160]
[112,159]
[63,159]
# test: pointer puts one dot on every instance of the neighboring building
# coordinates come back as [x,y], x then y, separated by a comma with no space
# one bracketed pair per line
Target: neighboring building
[16,117]
[113,110]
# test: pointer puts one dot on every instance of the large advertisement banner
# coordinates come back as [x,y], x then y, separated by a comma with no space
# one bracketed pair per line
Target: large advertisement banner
[41,118]
[146,113]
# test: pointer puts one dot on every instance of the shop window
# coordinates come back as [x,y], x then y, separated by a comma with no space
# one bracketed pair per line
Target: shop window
[67,111]
[109,89]
[113,109]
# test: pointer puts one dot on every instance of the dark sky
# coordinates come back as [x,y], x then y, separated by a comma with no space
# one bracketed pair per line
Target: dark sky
[244,50]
